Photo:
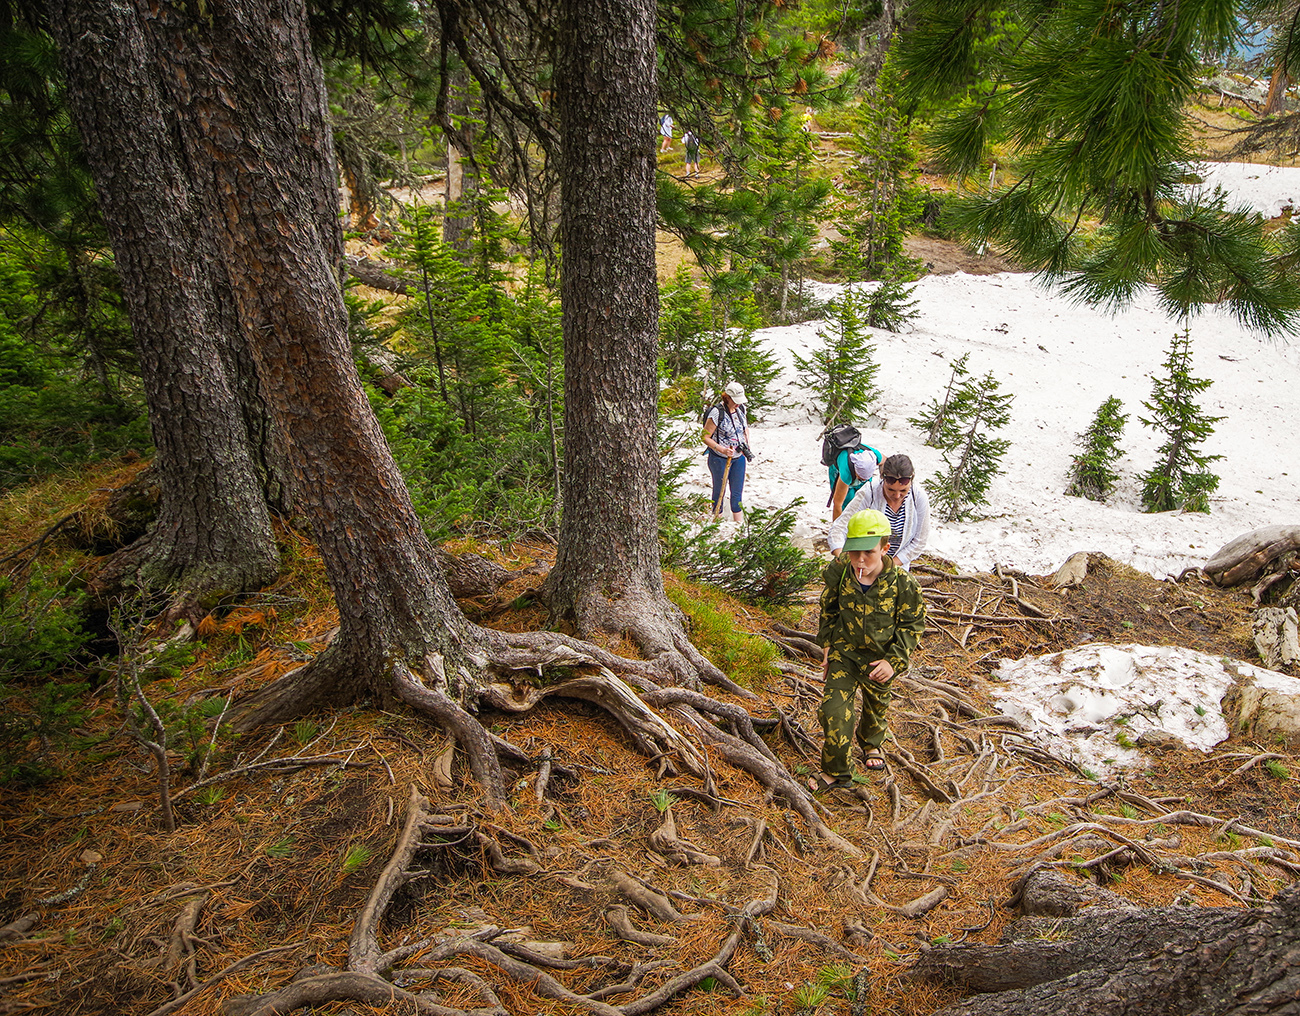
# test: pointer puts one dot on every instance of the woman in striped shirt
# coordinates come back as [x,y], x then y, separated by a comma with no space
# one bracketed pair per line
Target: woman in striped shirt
[896,492]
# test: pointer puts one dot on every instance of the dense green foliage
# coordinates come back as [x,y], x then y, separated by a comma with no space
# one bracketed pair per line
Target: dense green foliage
[1092,471]
[40,700]
[881,201]
[66,358]
[69,396]
[1179,479]
[475,425]
[1090,98]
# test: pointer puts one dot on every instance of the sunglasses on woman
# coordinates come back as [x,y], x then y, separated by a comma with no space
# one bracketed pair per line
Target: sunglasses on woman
[898,479]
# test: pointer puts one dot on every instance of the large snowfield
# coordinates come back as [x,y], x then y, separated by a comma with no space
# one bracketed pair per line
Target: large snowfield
[1061,360]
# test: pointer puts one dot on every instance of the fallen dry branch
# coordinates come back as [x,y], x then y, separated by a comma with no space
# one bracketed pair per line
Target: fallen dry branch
[1254,761]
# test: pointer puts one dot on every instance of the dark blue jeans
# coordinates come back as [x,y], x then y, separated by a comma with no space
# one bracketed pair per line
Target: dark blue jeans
[735,478]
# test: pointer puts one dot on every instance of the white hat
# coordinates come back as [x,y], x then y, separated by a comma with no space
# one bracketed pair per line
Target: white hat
[736,392]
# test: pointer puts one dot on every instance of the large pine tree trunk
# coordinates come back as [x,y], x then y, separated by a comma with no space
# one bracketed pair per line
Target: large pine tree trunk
[212,534]
[607,573]
[252,113]
[250,119]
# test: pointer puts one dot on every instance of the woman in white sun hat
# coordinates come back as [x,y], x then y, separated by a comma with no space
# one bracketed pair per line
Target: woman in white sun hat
[726,435]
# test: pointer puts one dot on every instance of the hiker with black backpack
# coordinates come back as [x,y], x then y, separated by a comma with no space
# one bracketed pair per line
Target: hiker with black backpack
[898,494]
[726,435]
[849,464]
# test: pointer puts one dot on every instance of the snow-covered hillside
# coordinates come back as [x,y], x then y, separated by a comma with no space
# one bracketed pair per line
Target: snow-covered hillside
[1061,360]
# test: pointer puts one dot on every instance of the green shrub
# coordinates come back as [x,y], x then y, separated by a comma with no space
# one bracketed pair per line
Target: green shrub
[759,562]
[40,635]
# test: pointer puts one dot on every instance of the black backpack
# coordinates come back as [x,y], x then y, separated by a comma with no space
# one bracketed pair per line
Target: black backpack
[840,437]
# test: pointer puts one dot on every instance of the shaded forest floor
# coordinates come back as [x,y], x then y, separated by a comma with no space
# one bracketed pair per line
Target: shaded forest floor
[276,862]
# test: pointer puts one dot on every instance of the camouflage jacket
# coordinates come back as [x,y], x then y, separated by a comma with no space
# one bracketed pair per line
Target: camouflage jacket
[883,623]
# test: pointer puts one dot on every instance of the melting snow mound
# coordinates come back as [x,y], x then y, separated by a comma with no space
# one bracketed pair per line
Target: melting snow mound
[1092,703]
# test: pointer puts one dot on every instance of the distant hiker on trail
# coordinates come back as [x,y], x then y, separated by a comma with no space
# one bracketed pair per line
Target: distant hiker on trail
[666,129]
[897,494]
[872,616]
[692,144]
[726,435]
[849,464]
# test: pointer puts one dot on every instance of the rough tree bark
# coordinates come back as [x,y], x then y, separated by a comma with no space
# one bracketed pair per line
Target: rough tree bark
[607,573]
[212,534]
[1134,961]
[249,116]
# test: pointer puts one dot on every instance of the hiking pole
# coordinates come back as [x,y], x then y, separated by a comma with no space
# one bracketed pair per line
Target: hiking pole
[722,492]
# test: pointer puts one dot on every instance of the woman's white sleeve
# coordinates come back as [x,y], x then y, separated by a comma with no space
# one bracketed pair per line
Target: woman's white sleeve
[840,527]
[915,547]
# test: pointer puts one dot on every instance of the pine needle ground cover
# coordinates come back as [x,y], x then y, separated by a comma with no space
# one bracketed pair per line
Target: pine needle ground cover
[270,867]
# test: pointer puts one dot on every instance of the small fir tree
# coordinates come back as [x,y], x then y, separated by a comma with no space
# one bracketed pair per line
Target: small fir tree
[1091,475]
[974,459]
[890,305]
[936,416]
[841,375]
[1179,479]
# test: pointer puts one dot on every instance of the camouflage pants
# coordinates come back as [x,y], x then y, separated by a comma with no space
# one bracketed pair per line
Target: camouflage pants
[845,676]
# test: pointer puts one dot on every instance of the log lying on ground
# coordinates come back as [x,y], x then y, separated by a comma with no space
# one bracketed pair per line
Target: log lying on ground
[1246,557]
[471,574]
[1136,961]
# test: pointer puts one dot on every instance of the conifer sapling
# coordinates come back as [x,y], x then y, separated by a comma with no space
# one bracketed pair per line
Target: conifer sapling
[840,375]
[1179,479]
[972,461]
[1091,475]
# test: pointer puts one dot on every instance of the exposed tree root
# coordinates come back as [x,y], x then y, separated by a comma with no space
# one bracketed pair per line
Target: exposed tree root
[374,975]
[746,750]
[675,850]
[619,919]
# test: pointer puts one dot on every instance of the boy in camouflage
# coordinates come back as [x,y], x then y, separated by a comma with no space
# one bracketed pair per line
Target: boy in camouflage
[872,615]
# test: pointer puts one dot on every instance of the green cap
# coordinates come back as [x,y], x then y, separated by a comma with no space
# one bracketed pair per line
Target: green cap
[866,529]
